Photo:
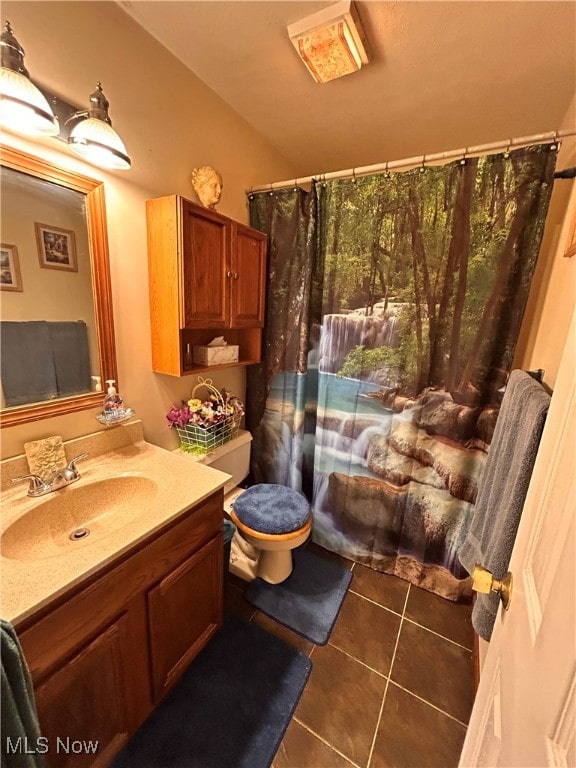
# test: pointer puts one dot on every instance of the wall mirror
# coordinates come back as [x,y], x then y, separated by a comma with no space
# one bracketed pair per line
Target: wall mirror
[56,324]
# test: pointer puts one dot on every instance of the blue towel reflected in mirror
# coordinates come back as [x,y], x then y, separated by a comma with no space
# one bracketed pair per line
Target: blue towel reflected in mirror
[43,360]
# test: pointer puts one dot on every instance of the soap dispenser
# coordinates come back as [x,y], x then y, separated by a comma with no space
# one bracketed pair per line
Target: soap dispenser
[114,411]
[113,403]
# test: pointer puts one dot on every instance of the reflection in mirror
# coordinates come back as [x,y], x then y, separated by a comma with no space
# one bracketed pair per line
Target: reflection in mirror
[56,328]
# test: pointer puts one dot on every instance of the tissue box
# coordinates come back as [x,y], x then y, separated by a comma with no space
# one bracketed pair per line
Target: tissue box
[215,355]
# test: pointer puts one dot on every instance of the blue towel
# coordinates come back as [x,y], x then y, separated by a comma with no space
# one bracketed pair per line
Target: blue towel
[43,360]
[27,364]
[20,728]
[503,487]
[69,344]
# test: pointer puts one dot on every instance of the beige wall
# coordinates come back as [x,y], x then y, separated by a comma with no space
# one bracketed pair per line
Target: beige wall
[553,292]
[171,122]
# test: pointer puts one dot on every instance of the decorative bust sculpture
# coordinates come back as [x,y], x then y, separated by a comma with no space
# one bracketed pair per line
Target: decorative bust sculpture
[207,183]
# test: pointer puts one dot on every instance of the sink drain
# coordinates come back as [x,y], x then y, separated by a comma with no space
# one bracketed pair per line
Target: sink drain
[80,533]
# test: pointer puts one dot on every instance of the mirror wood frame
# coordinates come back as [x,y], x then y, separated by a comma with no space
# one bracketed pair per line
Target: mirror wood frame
[101,284]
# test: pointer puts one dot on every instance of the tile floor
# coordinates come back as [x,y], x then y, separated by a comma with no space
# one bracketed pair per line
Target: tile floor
[393,688]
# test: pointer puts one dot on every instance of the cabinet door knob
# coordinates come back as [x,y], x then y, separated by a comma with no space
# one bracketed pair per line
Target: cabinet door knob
[235,275]
[229,273]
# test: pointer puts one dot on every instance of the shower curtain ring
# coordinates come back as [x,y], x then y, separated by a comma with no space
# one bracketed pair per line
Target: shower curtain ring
[271,193]
[463,161]
[386,170]
[422,168]
[554,144]
[507,153]
[353,176]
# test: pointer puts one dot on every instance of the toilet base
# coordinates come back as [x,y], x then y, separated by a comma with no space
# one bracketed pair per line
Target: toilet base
[275,566]
[271,565]
[244,558]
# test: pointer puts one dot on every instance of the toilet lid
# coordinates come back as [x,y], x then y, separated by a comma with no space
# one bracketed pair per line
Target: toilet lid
[270,508]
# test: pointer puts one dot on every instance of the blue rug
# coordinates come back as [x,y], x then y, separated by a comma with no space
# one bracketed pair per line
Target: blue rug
[230,709]
[309,600]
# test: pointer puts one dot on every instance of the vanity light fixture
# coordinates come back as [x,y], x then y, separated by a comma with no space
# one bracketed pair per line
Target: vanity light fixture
[23,107]
[93,137]
[331,43]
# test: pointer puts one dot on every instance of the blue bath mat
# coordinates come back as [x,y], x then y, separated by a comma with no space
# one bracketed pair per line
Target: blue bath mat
[230,709]
[310,598]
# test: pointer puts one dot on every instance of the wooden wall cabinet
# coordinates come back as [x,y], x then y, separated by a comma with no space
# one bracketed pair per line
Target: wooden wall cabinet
[104,655]
[207,277]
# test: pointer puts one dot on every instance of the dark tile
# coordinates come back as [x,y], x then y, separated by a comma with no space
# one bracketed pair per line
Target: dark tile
[282,632]
[341,702]
[383,588]
[412,734]
[235,602]
[451,620]
[366,631]
[301,749]
[435,669]
[316,549]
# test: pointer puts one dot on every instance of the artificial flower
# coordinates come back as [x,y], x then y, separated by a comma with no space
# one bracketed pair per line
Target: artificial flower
[227,409]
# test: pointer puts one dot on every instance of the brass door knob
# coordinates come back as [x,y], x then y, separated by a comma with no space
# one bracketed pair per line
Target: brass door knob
[484,582]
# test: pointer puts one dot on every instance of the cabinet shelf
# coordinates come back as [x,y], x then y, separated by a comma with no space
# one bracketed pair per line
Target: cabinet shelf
[249,341]
[196,368]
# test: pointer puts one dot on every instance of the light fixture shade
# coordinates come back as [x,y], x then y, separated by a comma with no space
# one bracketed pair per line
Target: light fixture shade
[94,139]
[331,43]
[98,142]
[23,107]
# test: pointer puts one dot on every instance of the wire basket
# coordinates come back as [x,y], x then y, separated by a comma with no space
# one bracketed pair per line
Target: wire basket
[207,439]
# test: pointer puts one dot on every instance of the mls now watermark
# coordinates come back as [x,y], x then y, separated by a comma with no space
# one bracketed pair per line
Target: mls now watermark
[41,746]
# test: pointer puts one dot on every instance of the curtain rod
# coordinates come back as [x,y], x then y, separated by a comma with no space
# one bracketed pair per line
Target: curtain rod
[540,138]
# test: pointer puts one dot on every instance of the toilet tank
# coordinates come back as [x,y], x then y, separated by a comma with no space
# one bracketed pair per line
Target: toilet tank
[233,457]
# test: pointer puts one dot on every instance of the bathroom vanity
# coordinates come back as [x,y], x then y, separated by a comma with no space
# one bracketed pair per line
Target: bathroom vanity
[108,627]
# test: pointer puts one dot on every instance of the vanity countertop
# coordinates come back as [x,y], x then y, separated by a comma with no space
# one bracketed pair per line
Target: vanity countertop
[172,483]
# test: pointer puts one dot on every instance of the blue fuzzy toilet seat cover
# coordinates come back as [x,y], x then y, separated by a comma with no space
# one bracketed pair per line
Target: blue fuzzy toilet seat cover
[272,509]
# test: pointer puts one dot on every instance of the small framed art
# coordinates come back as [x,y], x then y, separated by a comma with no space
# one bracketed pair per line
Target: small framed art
[10,277]
[56,247]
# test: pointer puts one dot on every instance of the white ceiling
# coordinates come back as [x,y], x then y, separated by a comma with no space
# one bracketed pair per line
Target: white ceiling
[442,75]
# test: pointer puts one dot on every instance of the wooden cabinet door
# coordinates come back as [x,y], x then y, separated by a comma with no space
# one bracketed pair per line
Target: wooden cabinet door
[184,609]
[82,705]
[247,279]
[205,244]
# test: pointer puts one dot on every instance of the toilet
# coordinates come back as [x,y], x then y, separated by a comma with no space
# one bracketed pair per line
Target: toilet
[271,520]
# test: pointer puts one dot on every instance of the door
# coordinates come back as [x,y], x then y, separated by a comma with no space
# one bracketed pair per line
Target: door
[247,276]
[524,715]
[205,245]
[185,609]
[82,705]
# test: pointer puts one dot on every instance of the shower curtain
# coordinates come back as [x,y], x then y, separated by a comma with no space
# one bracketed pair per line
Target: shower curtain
[393,308]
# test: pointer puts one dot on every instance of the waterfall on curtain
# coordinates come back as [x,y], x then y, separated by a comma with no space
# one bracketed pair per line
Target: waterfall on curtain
[393,309]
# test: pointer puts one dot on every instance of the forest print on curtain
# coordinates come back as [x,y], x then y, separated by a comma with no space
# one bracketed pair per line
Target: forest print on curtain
[394,306]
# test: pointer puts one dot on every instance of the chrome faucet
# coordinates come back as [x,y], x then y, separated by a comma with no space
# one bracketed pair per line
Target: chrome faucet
[60,478]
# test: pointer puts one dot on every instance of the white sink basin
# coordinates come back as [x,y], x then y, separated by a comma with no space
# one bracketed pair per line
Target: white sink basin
[77,515]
